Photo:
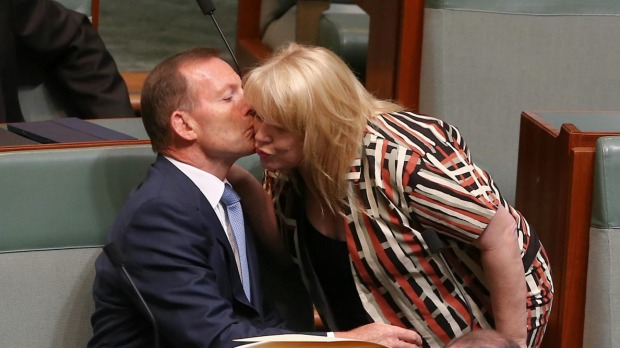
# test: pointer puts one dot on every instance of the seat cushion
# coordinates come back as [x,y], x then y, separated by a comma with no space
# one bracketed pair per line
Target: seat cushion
[271,10]
[46,297]
[606,194]
[603,282]
[343,28]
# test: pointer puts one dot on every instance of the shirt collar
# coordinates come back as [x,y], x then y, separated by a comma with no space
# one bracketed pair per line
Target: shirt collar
[210,185]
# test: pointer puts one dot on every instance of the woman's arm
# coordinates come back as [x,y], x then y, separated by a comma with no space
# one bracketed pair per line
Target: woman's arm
[258,208]
[464,199]
[503,268]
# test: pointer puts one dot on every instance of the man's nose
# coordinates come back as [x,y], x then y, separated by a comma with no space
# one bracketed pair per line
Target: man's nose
[259,131]
[244,106]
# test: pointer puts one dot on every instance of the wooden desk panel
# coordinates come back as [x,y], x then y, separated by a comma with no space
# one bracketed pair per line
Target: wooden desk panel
[554,192]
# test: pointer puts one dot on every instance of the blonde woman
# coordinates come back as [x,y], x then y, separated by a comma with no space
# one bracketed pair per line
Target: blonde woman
[356,181]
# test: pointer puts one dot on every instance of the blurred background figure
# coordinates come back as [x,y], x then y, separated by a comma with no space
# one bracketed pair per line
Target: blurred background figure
[44,42]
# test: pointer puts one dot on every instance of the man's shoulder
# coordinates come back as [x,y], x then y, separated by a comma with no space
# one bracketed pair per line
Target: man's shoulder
[163,185]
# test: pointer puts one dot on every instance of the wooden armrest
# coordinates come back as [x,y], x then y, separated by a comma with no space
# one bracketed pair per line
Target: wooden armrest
[134,81]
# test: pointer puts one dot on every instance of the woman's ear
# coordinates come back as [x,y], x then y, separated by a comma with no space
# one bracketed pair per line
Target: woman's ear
[182,125]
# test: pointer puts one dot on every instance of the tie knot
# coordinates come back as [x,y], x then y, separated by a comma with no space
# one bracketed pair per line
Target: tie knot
[229,197]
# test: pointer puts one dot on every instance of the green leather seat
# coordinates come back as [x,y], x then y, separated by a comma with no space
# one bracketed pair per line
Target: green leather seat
[57,206]
[603,285]
[343,28]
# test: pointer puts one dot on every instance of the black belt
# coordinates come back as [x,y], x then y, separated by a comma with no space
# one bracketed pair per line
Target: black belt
[532,249]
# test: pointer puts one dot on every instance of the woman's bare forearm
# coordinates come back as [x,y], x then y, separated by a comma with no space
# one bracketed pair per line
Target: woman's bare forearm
[503,268]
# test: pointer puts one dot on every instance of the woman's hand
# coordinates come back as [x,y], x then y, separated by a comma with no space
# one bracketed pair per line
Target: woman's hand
[385,334]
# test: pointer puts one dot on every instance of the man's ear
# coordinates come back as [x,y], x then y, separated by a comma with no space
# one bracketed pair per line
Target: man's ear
[182,125]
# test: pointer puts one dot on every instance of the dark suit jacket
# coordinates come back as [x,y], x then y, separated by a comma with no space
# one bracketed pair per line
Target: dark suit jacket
[41,41]
[179,257]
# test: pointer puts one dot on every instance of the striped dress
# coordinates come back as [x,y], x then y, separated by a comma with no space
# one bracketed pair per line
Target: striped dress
[415,172]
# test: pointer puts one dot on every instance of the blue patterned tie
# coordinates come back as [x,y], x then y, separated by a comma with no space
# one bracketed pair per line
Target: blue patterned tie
[235,217]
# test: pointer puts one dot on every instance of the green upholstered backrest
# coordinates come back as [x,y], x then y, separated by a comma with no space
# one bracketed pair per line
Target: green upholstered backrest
[82,6]
[252,164]
[66,197]
[343,28]
[606,194]
[603,279]
[56,208]
[271,10]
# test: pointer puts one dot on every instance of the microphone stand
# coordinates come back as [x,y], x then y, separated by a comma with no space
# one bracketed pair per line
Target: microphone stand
[208,8]
[115,255]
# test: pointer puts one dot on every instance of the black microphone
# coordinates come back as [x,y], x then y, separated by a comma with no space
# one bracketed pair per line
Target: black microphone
[436,246]
[208,8]
[113,251]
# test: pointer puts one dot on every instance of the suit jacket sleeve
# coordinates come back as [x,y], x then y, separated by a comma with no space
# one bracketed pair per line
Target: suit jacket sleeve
[179,266]
[70,50]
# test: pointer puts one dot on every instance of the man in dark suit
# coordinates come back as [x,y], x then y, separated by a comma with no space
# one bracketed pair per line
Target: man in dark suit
[176,234]
[173,229]
[42,41]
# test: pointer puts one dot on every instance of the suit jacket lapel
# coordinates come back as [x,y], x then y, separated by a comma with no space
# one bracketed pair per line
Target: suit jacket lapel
[253,265]
[220,235]
[209,214]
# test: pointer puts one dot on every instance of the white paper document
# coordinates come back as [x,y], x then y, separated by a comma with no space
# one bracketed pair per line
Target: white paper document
[310,341]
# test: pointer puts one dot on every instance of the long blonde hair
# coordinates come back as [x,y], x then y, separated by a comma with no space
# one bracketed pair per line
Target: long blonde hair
[310,91]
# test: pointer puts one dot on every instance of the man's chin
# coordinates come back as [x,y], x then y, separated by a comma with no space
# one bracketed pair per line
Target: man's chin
[248,152]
